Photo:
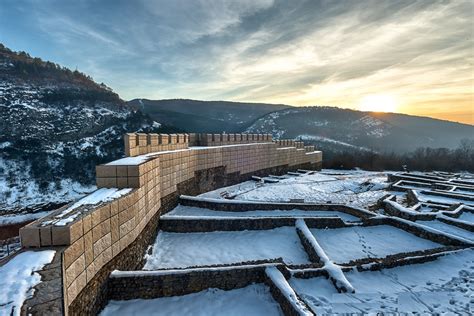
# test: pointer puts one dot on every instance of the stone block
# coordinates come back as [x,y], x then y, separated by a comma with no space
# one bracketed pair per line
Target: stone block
[136,170]
[164,139]
[87,223]
[105,171]
[106,182]
[173,139]
[142,139]
[45,236]
[95,217]
[122,171]
[115,249]
[76,230]
[107,254]
[135,182]
[60,235]
[71,292]
[133,152]
[96,233]
[104,212]
[130,140]
[208,139]
[114,228]
[122,182]
[81,281]
[88,248]
[153,139]
[193,139]
[30,236]
[142,150]
[114,208]
[216,138]
[102,244]
[73,252]
[91,271]
[75,269]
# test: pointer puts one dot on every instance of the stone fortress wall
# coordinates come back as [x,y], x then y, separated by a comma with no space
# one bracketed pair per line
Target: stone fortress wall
[95,239]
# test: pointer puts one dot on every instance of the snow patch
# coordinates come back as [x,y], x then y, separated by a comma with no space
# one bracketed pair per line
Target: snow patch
[181,250]
[251,300]
[19,276]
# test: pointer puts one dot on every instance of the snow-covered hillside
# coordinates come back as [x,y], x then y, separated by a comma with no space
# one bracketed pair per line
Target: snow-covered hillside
[56,126]
[343,129]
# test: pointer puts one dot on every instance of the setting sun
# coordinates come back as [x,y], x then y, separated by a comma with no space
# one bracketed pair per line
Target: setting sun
[378,103]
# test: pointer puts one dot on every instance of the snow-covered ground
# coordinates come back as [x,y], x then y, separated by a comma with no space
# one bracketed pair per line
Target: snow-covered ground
[180,250]
[350,243]
[18,277]
[357,188]
[251,300]
[441,286]
[189,211]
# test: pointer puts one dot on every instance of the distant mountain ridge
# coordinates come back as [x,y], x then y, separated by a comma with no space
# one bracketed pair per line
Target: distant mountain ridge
[384,132]
[342,128]
[205,116]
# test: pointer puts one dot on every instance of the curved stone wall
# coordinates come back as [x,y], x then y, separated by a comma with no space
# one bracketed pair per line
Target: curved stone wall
[111,228]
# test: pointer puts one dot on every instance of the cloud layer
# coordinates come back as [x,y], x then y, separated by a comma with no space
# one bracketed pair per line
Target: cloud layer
[420,54]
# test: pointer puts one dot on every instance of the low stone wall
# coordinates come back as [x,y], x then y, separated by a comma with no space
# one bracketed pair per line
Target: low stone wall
[242,206]
[460,224]
[392,210]
[444,239]
[183,225]
[125,285]
[115,234]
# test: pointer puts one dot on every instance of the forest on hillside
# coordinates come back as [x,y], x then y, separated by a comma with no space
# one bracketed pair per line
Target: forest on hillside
[422,159]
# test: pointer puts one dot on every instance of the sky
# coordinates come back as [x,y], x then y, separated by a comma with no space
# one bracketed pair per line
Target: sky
[413,57]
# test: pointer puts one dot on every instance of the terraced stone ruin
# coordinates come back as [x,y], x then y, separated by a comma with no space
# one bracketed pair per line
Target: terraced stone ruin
[241,224]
